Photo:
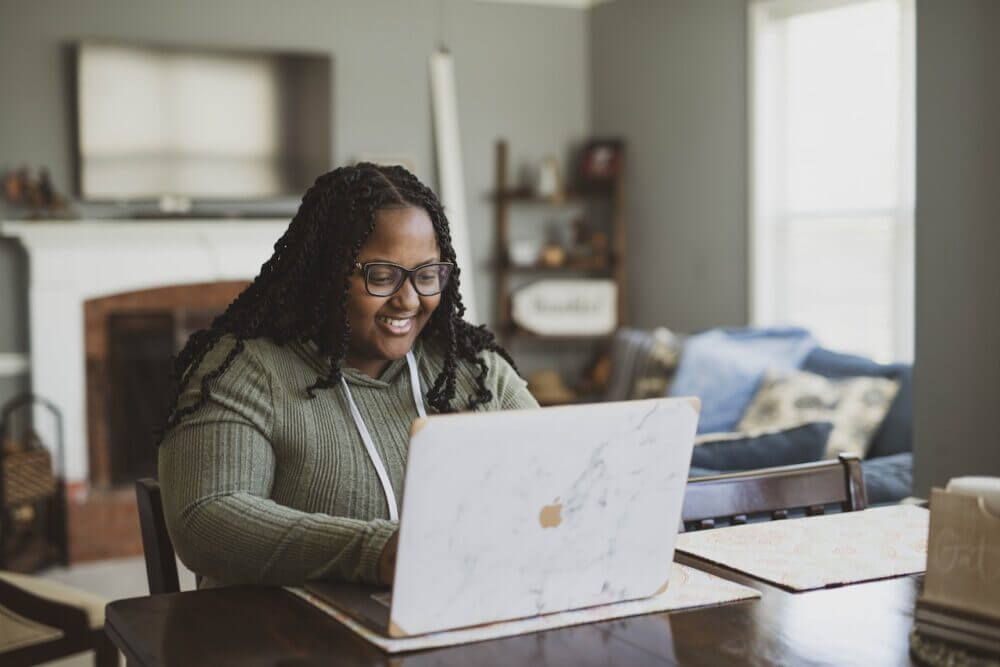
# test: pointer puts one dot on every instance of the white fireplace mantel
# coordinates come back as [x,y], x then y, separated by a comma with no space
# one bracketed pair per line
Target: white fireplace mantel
[71,262]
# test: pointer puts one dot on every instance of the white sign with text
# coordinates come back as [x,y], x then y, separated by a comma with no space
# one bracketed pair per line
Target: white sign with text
[582,307]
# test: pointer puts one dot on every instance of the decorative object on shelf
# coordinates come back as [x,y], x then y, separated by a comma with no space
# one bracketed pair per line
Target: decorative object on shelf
[588,246]
[554,251]
[549,183]
[600,246]
[601,162]
[32,500]
[549,388]
[567,307]
[553,255]
[38,195]
[20,189]
[525,252]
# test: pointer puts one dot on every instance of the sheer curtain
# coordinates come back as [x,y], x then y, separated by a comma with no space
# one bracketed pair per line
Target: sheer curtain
[832,171]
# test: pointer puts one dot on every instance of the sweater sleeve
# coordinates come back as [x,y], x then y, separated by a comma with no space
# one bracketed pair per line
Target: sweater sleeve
[510,390]
[216,471]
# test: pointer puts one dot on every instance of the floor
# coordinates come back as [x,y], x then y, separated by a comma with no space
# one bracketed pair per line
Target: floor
[114,579]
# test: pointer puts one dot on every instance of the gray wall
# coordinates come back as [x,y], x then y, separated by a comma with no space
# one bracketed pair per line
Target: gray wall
[521,71]
[957,369]
[670,76]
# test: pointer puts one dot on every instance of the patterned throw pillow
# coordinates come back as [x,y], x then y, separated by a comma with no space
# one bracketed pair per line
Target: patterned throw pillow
[855,406]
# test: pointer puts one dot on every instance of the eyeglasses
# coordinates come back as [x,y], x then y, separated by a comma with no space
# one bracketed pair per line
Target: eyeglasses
[385,279]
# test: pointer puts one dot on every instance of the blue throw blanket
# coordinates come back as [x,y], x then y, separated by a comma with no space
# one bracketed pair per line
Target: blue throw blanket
[723,367]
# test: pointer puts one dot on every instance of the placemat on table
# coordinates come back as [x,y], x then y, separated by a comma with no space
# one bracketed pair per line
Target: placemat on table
[819,551]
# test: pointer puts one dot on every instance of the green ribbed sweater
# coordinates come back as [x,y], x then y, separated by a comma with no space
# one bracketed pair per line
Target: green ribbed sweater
[262,485]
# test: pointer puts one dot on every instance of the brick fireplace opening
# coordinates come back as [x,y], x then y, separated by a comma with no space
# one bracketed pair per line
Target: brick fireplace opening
[129,341]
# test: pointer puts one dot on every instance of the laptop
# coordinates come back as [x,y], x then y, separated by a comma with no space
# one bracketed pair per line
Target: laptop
[512,514]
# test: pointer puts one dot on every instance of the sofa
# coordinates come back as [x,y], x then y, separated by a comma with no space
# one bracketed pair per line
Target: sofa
[644,364]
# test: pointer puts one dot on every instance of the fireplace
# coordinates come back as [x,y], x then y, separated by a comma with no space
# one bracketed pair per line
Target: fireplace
[130,340]
[101,295]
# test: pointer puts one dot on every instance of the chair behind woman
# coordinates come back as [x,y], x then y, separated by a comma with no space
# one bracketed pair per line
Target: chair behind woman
[732,498]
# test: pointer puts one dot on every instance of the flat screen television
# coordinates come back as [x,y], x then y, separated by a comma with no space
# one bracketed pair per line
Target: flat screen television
[200,124]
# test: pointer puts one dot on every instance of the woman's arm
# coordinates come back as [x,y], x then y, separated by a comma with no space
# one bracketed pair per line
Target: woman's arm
[510,390]
[216,471]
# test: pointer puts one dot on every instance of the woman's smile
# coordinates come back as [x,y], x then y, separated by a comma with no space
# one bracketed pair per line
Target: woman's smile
[396,325]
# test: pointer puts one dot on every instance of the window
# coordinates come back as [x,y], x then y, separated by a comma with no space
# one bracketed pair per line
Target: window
[832,171]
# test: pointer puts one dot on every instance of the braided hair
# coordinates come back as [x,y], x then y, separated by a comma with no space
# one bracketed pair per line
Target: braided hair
[301,293]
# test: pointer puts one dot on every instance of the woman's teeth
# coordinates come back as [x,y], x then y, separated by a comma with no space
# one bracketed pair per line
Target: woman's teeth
[397,325]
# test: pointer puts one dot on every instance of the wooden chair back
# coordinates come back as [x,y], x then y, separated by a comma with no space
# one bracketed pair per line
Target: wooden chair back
[161,566]
[731,498]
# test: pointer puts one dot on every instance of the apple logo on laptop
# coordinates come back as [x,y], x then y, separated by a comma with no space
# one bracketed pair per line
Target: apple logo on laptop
[551,515]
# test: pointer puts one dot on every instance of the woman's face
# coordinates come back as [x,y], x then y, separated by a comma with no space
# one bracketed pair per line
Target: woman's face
[385,328]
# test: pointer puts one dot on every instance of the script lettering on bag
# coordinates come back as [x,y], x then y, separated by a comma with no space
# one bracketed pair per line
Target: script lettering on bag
[979,558]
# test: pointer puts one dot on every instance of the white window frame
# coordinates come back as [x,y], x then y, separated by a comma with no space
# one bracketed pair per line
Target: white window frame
[762,279]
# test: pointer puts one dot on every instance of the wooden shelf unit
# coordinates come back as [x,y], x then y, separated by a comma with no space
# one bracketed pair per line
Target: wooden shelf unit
[506,198]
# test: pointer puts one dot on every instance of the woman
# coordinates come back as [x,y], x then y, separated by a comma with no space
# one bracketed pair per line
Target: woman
[286,443]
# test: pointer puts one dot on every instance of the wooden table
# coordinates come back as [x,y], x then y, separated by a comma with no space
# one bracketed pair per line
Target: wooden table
[862,624]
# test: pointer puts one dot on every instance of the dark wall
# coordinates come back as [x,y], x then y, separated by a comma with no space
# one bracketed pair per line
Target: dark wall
[957,371]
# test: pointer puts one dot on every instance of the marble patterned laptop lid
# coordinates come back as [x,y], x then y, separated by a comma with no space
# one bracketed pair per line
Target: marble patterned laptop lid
[509,515]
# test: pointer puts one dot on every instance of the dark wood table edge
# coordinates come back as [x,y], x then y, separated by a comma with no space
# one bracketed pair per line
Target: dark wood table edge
[134,659]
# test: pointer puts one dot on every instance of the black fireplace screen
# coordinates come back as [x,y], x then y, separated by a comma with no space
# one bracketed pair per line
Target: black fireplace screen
[141,346]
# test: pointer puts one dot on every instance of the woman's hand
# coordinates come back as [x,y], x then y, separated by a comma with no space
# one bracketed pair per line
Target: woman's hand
[387,561]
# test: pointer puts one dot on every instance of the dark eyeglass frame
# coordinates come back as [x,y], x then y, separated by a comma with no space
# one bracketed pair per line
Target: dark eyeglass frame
[407,274]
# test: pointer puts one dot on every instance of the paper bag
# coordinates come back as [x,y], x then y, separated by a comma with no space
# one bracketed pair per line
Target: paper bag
[963,556]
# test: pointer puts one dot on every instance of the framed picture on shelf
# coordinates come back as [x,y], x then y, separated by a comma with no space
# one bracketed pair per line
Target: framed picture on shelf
[600,162]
